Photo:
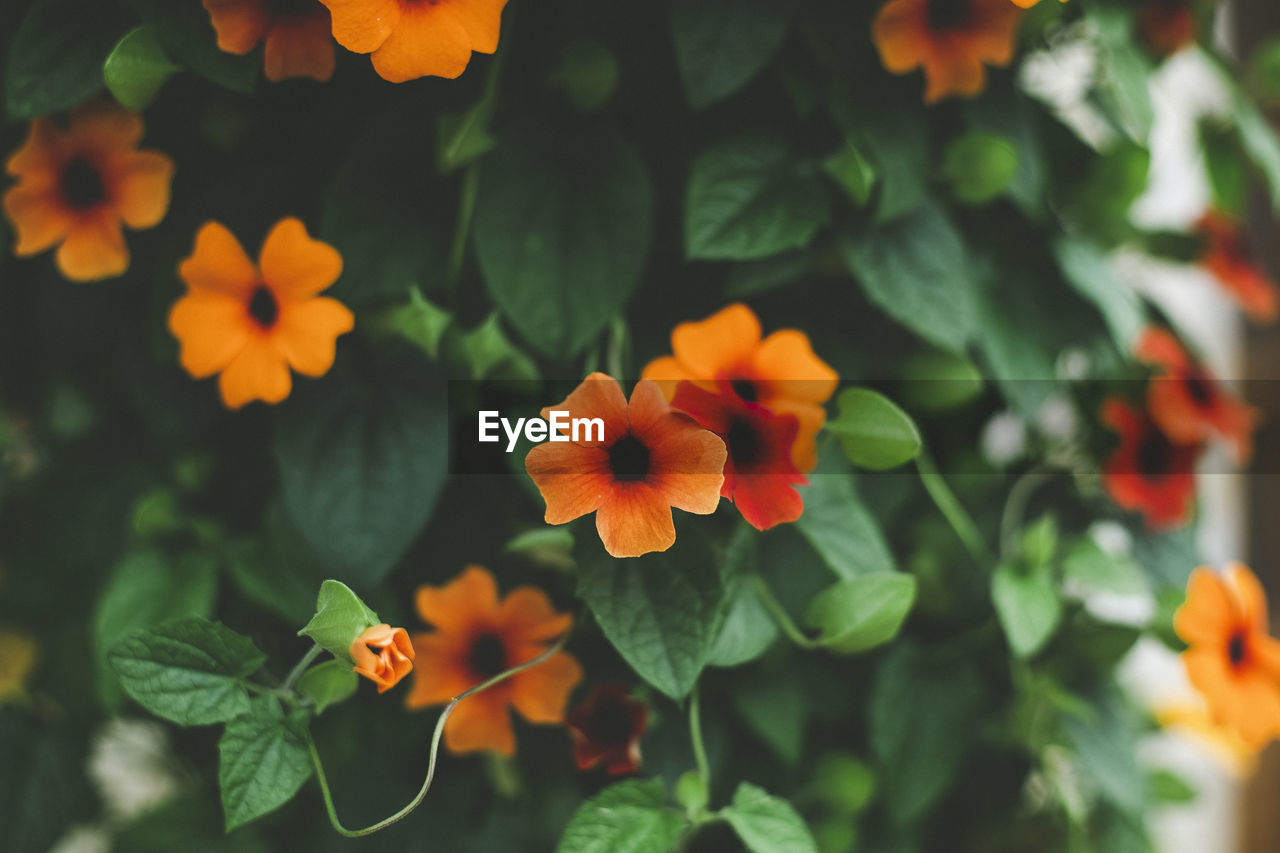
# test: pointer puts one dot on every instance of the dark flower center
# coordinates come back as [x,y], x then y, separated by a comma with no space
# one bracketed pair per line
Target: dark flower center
[1236,648]
[1154,454]
[629,459]
[263,307]
[488,655]
[746,389]
[743,440]
[82,185]
[944,15]
[1198,388]
[612,723]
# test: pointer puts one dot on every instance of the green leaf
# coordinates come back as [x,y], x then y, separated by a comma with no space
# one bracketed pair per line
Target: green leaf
[1107,744]
[1086,268]
[629,817]
[746,628]
[363,456]
[1028,605]
[748,198]
[980,167]
[188,36]
[146,590]
[852,172]
[754,277]
[1040,541]
[863,612]
[189,671]
[660,611]
[691,792]
[1260,142]
[776,709]
[1088,566]
[56,55]
[1167,788]
[1124,71]
[838,524]
[722,44]
[767,824]
[340,617]
[937,381]
[328,683]
[492,355]
[922,717]
[278,570]
[916,269]
[263,761]
[895,138]
[587,74]
[562,232]
[874,431]
[462,139]
[844,783]
[137,67]
[420,322]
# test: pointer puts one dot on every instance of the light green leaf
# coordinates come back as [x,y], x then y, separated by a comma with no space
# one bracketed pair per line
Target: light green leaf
[916,269]
[937,381]
[341,616]
[748,198]
[746,628]
[767,824]
[1028,605]
[629,817]
[660,611]
[722,44]
[838,524]
[1040,541]
[263,761]
[874,431]
[1093,569]
[852,172]
[863,612]
[421,322]
[844,783]
[1167,788]
[492,355]
[328,683]
[562,231]
[189,671]
[137,67]
[980,167]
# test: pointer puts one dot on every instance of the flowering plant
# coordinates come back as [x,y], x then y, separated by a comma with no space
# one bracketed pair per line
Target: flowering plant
[878,421]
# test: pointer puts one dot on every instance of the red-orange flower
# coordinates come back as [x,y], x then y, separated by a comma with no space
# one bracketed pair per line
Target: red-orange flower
[477,637]
[759,474]
[251,323]
[1148,473]
[295,32]
[1167,26]
[952,40]
[1187,402]
[417,38]
[1231,659]
[78,185]
[1228,257]
[650,460]
[1027,4]
[779,372]
[606,729]
[383,655]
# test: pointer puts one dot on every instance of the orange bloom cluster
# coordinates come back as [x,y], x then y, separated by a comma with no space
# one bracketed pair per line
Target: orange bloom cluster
[294,33]
[250,323]
[651,459]
[1149,473]
[1228,258]
[478,636]
[383,654]
[952,40]
[417,38]
[78,185]
[1231,659]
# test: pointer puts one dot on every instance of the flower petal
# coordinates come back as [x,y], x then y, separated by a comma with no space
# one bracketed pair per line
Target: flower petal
[219,263]
[41,156]
[141,187]
[429,40]
[1250,597]
[597,396]
[1208,615]
[540,694]
[294,265]
[572,479]
[440,670]
[459,605]
[481,722]
[94,248]
[299,46]
[239,24]
[635,519]
[668,372]
[103,127]
[526,616]
[786,363]
[258,372]
[212,328]
[39,217]
[307,333]
[362,26]
[482,20]
[722,342]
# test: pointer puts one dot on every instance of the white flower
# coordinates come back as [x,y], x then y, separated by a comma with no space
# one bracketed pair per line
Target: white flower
[130,766]
[1004,439]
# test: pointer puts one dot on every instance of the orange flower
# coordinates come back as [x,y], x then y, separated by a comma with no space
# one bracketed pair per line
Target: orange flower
[759,474]
[1187,402]
[951,39]
[606,729]
[779,372]
[651,459]
[249,323]
[1167,26]
[1231,659]
[76,186]
[1227,256]
[296,32]
[383,655]
[1027,4]
[477,637]
[1148,473]
[417,38]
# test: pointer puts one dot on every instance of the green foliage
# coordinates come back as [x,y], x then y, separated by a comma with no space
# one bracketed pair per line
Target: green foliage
[838,525]
[340,617]
[56,58]
[979,167]
[863,612]
[190,671]
[1028,605]
[328,683]
[628,817]
[187,36]
[874,432]
[137,67]
[721,44]
[767,824]
[263,760]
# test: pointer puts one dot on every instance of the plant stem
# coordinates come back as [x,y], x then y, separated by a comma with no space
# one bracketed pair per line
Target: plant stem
[294,674]
[432,759]
[461,234]
[1015,508]
[695,735]
[780,615]
[952,510]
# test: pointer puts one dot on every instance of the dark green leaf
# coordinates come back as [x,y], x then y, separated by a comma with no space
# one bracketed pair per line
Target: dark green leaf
[562,230]
[746,629]
[189,671]
[838,524]
[722,44]
[863,612]
[767,824]
[629,817]
[56,55]
[749,198]
[263,760]
[188,36]
[328,683]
